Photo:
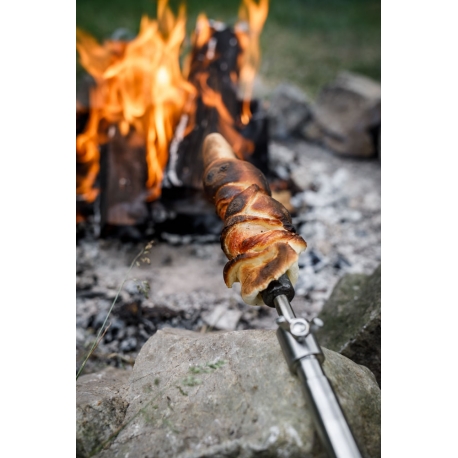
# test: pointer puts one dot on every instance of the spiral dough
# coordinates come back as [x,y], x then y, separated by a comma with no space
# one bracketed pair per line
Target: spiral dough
[258,237]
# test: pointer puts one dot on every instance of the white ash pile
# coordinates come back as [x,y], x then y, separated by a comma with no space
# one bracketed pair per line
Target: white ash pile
[337,203]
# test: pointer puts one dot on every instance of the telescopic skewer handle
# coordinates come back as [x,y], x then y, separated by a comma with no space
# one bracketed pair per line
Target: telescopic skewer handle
[304,356]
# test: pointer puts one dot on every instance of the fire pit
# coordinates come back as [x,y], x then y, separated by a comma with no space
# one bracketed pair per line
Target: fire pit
[139,170]
[139,147]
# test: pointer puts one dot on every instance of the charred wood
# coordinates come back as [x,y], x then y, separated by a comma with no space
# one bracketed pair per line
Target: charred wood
[123,173]
[214,72]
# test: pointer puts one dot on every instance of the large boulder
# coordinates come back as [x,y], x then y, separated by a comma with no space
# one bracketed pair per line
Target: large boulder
[230,394]
[101,404]
[352,320]
[347,116]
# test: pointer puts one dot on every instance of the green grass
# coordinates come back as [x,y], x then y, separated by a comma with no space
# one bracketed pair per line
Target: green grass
[306,42]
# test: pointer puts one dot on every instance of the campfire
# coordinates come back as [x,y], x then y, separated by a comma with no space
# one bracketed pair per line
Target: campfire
[139,145]
[158,129]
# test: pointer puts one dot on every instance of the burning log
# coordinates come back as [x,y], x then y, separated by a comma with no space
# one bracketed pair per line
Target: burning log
[145,110]
[82,117]
[122,180]
[139,92]
[214,69]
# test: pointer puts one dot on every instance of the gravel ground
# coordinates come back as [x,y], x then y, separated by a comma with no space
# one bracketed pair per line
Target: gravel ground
[337,202]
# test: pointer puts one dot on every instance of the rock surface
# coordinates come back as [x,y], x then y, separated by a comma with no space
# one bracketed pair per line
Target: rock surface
[100,408]
[346,116]
[230,394]
[352,320]
[288,111]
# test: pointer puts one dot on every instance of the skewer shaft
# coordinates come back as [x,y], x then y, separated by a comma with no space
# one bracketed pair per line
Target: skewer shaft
[304,359]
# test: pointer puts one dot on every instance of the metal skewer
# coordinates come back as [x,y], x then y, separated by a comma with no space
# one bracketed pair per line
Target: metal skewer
[304,357]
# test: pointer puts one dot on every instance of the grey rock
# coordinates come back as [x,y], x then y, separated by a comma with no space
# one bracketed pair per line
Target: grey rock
[289,110]
[352,320]
[221,317]
[230,394]
[346,116]
[100,408]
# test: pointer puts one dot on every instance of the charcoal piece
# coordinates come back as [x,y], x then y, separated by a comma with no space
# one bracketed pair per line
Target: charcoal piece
[84,209]
[82,117]
[130,312]
[116,331]
[188,212]
[129,344]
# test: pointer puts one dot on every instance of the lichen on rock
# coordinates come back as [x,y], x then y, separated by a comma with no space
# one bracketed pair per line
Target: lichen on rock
[242,402]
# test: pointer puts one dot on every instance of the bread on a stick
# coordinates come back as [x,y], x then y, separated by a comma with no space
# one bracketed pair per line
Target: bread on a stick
[258,237]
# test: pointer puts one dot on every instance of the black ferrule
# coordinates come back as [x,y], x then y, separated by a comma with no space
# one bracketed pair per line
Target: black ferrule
[276,288]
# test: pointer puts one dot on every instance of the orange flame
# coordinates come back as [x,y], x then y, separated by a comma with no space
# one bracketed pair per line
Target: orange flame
[139,86]
[203,35]
[255,16]
[241,146]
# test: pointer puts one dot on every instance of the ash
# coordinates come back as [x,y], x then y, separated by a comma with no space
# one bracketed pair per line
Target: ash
[336,208]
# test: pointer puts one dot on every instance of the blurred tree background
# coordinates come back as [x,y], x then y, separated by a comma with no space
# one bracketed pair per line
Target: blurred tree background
[306,42]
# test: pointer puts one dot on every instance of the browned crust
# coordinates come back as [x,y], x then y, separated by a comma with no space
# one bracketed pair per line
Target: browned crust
[258,237]
[216,147]
[243,228]
[224,196]
[228,171]
[261,241]
[258,269]
[253,201]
